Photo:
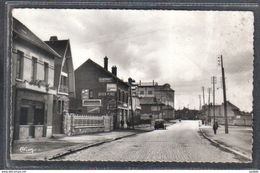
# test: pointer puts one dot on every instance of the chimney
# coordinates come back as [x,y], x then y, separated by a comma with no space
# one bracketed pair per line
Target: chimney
[114,70]
[53,38]
[105,63]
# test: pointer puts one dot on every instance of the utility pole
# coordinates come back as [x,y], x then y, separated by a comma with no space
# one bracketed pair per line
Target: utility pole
[224,93]
[209,105]
[213,83]
[203,96]
[200,102]
[130,81]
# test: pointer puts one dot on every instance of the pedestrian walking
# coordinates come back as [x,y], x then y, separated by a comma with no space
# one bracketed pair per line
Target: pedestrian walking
[215,127]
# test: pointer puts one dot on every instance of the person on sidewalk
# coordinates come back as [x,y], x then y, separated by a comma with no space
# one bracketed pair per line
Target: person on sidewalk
[215,127]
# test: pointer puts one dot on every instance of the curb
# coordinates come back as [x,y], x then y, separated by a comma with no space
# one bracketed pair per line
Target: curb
[82,147]
[225,147]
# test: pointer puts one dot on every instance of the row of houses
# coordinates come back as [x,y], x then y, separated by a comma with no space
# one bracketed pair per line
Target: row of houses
[101,92]
[45,87]
[234,115]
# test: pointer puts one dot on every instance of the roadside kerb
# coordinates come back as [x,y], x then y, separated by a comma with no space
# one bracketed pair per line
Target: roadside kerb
[224,146]
[79,147]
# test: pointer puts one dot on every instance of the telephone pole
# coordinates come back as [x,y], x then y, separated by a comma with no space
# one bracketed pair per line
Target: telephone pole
[130,81]
[224,93]
[213,83]
[200,102]
[209,105]
[203,96]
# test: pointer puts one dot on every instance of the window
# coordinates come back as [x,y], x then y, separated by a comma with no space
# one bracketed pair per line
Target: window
[60,106]
[119,95]
[46,72]
[24,116]
[150,92]
[63,81]
[34,68]
[123,96]
[141,92]
[126,98]
[91,96]
[38,116]
[19,65]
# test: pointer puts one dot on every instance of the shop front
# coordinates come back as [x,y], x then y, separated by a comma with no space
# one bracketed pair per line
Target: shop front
[33,113]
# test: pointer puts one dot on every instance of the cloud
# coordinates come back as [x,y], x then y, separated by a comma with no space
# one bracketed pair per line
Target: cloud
[176,47]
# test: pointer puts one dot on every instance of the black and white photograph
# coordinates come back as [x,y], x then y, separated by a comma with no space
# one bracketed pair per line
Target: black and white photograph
[131,85]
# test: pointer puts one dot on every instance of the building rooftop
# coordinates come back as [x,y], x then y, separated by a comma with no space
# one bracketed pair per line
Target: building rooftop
[26,34]
[89,61]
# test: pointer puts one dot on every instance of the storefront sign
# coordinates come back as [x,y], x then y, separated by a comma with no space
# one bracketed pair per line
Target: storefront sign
[91,102]
[93,109]
[111,94]
[104,94]
[101,94]
[105,79]
[111,87]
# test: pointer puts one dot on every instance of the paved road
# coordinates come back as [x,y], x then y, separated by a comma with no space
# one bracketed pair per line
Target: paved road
[180,142]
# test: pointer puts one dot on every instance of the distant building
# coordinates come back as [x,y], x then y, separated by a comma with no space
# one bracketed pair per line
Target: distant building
[156,100]
[32,84]
[101,92]
[64,81]
[234,115]
[187,114]
[151,109]
[136,106]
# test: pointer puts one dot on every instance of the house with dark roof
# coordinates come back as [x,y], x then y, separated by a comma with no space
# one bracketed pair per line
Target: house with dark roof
[100,92]
[32,84]
[64,81]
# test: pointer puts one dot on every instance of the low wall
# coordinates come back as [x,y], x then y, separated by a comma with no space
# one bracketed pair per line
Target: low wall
[75,124]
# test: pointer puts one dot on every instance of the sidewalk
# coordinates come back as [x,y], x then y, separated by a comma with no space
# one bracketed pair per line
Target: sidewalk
[239,140]
[47,149]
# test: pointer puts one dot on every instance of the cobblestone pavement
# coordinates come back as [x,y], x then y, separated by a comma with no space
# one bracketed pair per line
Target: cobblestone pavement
[180,142]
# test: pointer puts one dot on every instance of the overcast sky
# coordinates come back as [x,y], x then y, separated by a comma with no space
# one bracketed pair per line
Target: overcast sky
[175,47]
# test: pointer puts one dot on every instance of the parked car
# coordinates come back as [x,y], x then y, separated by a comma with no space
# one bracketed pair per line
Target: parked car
[159,123]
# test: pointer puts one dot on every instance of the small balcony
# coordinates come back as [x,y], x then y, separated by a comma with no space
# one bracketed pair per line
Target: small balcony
[64,89]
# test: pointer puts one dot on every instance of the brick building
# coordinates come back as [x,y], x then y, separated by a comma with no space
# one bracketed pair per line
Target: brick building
[64,81]
[32,84]
[158,99]
[101,92]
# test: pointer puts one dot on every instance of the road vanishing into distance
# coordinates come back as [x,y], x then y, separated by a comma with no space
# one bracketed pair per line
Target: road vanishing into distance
[180,142]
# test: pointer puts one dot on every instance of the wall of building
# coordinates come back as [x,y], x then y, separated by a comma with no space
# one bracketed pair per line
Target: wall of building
[146,91]
[31,92]
[95,80]
[29,52]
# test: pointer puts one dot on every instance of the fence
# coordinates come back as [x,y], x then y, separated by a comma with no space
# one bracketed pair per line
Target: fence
[75,124]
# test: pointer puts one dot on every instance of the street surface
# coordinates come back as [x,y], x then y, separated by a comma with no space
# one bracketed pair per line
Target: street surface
[180,142]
